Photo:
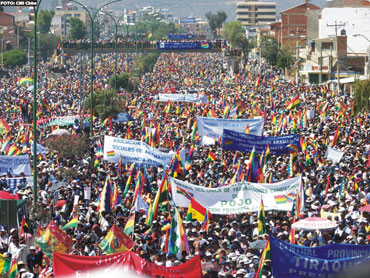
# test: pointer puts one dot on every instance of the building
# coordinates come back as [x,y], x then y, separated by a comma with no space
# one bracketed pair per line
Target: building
[294,23]
[255,13]
[353,21]
[321,61]
[8,29]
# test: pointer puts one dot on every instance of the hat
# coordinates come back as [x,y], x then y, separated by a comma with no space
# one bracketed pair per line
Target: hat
[21,262]
[32,248]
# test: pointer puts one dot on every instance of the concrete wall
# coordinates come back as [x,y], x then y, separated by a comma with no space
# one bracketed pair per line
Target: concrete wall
[313,24]
[357,21]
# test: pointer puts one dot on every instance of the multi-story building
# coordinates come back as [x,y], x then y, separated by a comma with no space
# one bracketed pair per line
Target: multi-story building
[8,30]
[294,22]
[255,13]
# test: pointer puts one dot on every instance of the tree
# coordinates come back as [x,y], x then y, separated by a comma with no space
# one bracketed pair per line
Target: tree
[68,146]
[269,49]
[78,28]
[146,63]
[285,59]
[361,102]
[106,104]
[15,57]
[233,31]
[216,21]
[44,21]
[48,44]
[125,80]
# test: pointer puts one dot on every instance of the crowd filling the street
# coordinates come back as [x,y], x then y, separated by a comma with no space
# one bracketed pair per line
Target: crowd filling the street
[200,163]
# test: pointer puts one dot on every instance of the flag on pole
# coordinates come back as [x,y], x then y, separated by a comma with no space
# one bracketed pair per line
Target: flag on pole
[129,227]
[266,255]
[293,103]
[211,157]
[177,236]
[71,224]
[162,195]
[261,220]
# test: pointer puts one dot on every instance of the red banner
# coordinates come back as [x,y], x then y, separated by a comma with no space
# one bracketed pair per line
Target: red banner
[81,266]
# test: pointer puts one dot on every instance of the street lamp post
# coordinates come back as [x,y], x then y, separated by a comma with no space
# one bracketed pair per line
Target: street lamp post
[92,18]
[34,123]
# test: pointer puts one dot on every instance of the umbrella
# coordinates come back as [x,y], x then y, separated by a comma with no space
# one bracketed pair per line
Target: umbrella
[365,208]
[123,117]
[60,203]
[314,224]
[60,132]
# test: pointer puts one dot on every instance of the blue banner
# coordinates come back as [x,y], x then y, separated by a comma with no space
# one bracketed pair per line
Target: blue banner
[184,45]
[294,261]
[180,36]
[279,145]
[213,127]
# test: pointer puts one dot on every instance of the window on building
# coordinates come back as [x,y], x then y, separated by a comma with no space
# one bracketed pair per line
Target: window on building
[77,15]
[326,45]
[242,13]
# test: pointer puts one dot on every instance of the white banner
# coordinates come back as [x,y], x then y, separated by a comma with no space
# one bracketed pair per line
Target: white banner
[333,155]
[133,151]
[240,197]
[213,127]
[13,182]
[15,165]
[192,98]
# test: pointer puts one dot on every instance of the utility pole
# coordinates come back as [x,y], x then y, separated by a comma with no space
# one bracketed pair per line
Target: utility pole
[297,56]
[336,27]
[29,51]
[320,76]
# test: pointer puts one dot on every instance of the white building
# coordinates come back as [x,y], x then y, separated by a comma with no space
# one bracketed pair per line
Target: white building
[356,20]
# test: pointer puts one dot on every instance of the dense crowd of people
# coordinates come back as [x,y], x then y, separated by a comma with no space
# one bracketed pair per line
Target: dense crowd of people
[258,90]
[139,42]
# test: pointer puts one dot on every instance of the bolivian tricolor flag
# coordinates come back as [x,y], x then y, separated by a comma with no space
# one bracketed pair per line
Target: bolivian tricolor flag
[261,220]
[211,157]
[13,270]
[25,81]
[116,241]
[129,227]
[71,224]
[293,103]
[266,255]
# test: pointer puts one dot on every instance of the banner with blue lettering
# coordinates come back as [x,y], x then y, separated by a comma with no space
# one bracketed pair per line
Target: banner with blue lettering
[180,36]
[213,127]
[192,98]
[239,141]
[23,181]
[184,45]
[132,151]
[294,261]
[15,165]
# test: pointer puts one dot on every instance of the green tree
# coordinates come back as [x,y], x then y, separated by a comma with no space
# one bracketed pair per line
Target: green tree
[269,48]
[15,57]
[233,31]
[285,59]
[106,104]
[44,21]
[215,21]
[125,80]
[146,63]
[361,100]
[78,28]
[48,44]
